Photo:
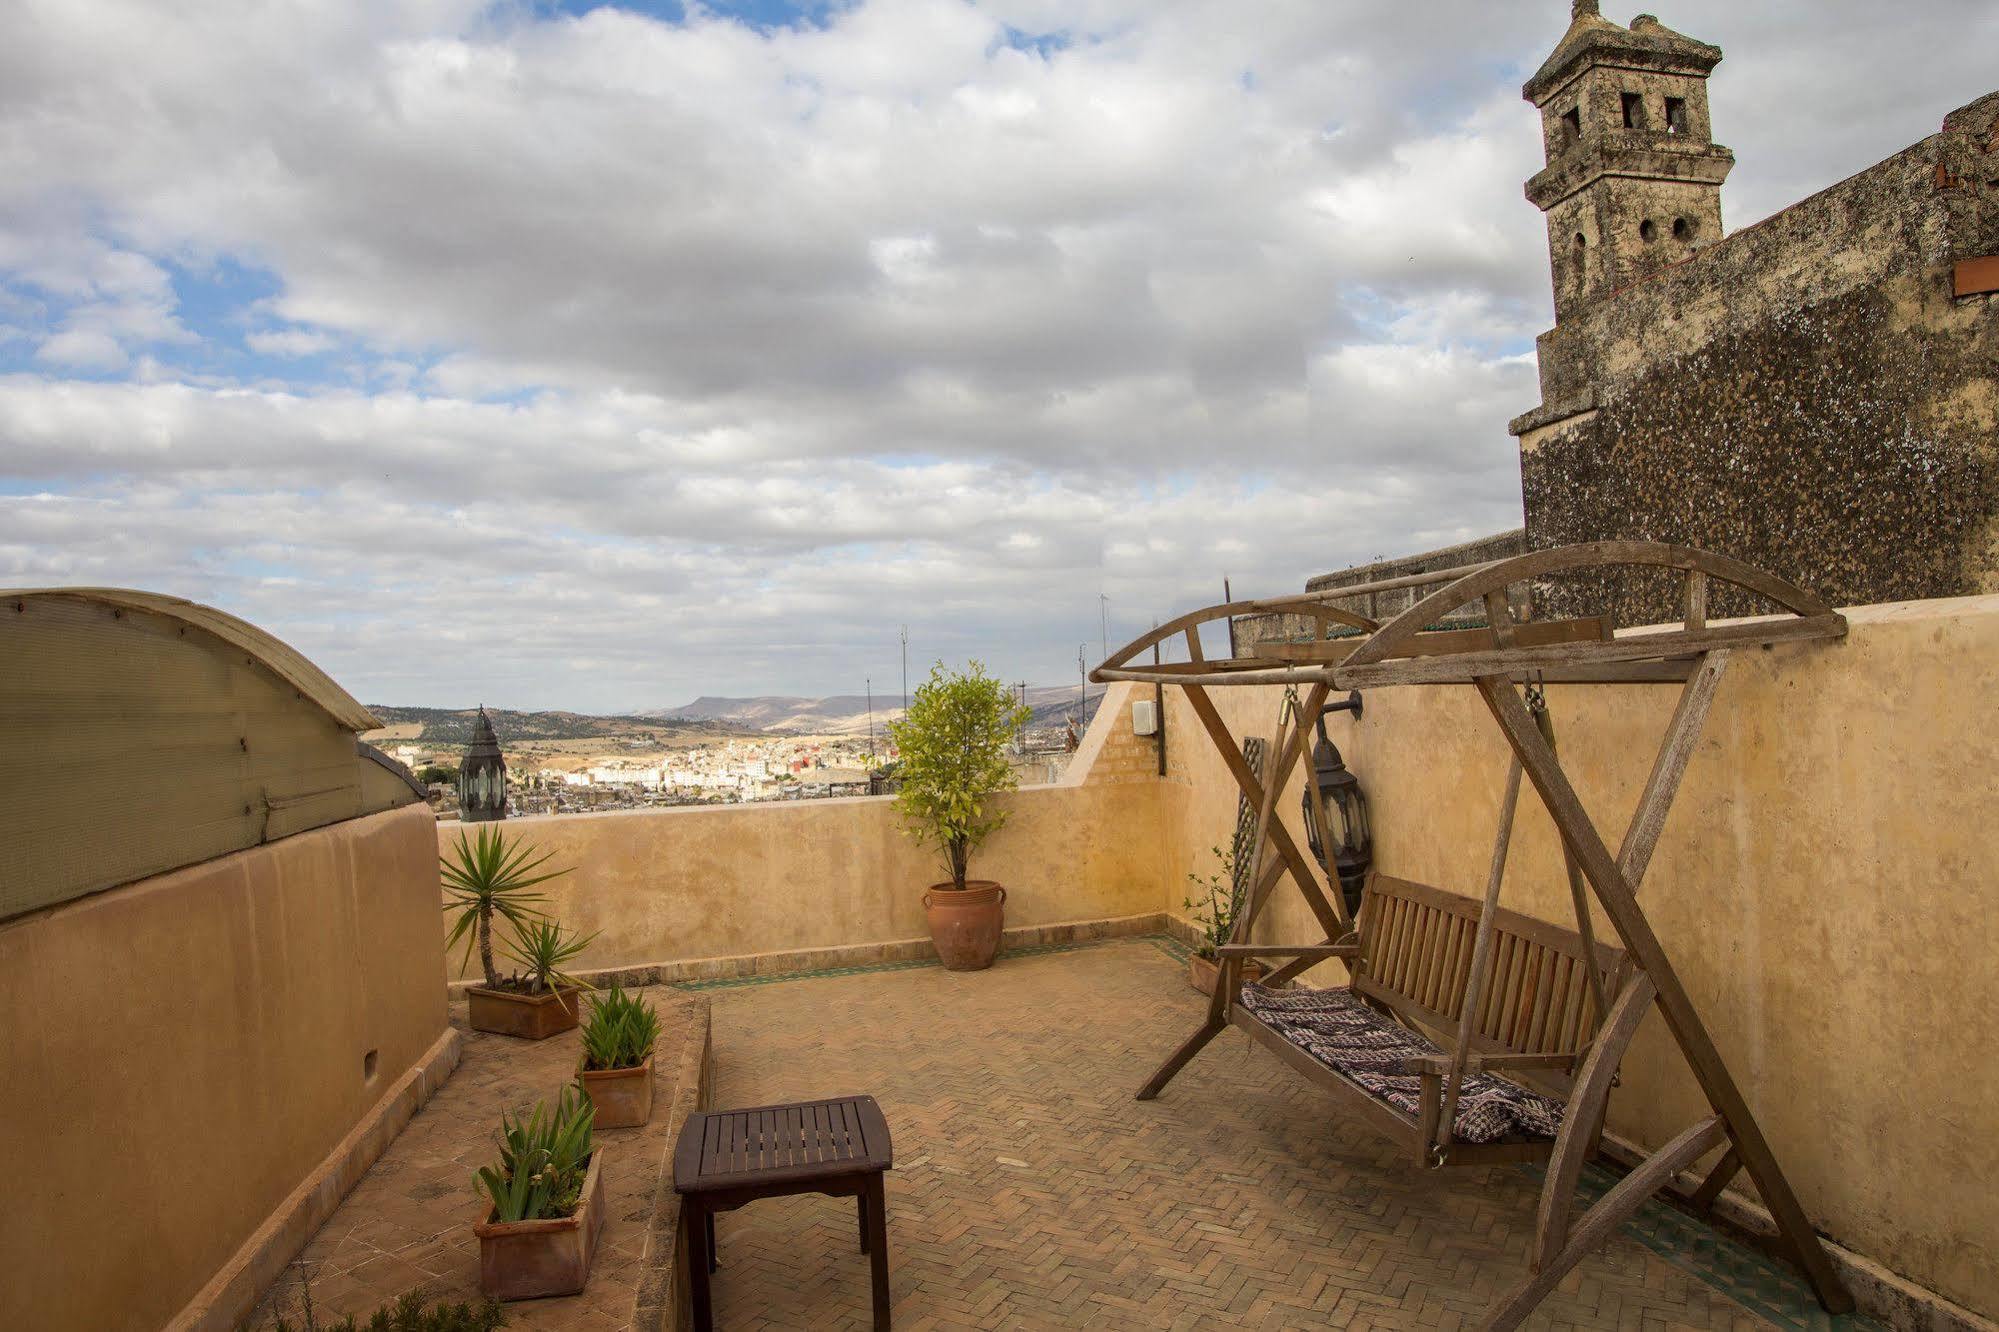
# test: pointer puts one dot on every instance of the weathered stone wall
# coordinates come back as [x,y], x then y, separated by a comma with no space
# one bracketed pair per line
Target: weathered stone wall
[1806,395]
[1379,606]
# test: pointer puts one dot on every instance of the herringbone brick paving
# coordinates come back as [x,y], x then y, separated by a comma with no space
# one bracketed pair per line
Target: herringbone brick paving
[1031,1191]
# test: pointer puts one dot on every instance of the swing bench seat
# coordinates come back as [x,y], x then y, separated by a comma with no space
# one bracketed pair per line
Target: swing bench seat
[1380,1041]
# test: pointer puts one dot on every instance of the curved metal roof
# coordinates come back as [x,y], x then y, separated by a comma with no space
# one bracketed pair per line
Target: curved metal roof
[279,657]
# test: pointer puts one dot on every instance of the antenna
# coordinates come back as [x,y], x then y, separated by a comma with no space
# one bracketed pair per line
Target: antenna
[871,718]
[905,671]
[1104,621]
[1082,685]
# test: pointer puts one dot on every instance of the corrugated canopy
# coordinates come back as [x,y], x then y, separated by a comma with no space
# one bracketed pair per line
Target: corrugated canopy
[278,656]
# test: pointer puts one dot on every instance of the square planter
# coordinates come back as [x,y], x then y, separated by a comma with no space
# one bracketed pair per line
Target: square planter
[623,1096]
[531,1016]
[526,1260]
[1204,973]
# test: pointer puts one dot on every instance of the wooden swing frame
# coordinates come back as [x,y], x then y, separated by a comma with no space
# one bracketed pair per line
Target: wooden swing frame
[1415,972]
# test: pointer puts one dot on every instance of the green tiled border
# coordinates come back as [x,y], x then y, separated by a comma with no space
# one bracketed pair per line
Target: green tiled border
[1761,1286]
[1753,1280]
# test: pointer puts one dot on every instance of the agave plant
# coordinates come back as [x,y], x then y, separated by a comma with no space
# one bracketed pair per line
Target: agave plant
[620,1032]
[544,949]
[543,1159]
[486,877]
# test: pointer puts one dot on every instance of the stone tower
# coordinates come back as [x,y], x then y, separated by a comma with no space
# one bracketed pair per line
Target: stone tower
[1633,180]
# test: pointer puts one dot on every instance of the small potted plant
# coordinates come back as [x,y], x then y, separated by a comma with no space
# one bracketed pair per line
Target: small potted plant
[547,1195]
[953,742]
[541,998]
[616,1069]
[1220,896]
[489,876]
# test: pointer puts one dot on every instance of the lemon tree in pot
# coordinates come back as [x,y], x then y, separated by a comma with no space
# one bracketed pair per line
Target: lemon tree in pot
[953,742]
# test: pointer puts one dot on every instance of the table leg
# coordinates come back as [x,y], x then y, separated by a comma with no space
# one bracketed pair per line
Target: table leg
[877,1224]
[861,1208]
[714,1249]
[700,1257]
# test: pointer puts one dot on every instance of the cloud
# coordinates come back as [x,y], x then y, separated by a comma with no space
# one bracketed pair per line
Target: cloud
[709,354]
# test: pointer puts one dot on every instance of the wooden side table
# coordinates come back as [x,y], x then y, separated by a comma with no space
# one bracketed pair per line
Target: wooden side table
[726,1158]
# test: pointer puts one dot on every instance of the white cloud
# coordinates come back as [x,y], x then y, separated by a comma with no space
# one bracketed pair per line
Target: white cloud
[711,355]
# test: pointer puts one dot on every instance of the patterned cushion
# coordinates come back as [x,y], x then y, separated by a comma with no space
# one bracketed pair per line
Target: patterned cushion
[1339,1030]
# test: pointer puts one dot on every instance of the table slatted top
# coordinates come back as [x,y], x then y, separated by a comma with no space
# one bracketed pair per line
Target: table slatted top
[732,1149]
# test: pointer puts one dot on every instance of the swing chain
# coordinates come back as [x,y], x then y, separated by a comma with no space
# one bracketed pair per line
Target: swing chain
[1537,695]
[1291,705]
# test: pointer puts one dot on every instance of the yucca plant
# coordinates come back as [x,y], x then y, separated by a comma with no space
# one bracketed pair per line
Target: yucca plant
[489,876]
[544,949]
[620,1032]
[543,1160]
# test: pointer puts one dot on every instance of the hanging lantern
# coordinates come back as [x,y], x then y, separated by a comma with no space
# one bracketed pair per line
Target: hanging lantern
[1337,830]
[482,775]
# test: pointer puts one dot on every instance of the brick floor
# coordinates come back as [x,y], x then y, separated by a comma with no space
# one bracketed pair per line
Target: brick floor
[1032,1191]
[408,1223]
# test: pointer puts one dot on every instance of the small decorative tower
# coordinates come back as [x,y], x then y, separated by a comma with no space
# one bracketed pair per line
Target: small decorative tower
[1633,180]
[482,775]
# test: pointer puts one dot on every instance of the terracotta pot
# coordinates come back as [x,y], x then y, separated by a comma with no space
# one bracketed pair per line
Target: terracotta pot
[965,922]
[534,1017]
[526,1260]
[623,1096]
[1206,972]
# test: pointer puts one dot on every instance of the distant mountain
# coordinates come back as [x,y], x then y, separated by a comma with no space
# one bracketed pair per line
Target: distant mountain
[453,726]
[846,714]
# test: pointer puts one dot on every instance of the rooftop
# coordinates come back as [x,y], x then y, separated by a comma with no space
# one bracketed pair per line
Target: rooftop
[1030,1189]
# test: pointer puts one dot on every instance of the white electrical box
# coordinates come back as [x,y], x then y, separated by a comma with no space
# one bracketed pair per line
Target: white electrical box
[1144,717]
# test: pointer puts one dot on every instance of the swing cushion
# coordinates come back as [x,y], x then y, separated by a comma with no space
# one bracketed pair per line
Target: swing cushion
[1339,1030]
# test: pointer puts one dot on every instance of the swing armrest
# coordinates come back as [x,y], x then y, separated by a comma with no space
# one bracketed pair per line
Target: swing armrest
[1288,950]
[1476,1063]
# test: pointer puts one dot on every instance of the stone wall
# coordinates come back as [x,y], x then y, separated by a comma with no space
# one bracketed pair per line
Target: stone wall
[1380,606]
[1807,395]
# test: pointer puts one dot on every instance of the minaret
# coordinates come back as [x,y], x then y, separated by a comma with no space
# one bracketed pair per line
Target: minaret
[1633,180]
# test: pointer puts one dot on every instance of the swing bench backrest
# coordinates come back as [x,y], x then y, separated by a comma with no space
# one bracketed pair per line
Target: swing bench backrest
[1416,951]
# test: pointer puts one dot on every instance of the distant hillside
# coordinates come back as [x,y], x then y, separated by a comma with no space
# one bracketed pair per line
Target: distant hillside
[453,726]
[846,714]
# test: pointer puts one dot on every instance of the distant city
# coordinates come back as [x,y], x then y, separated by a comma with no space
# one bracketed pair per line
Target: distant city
[713,751]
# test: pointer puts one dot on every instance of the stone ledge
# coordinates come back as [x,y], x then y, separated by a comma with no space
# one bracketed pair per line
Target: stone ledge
[661,1302]
[231,1295]
[804,961]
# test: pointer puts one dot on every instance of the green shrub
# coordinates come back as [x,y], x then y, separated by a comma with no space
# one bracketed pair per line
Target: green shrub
[953,741]
[543,1159]
[620,1031]
[544,949]
[1223,893]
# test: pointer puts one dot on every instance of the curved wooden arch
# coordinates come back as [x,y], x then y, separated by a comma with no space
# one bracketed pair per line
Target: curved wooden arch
[1118,666]
[1394,638]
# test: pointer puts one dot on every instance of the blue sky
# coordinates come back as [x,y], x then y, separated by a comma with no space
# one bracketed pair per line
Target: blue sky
[565,355]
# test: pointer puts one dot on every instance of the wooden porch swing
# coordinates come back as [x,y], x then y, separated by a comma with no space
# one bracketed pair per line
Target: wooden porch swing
[1469,1033]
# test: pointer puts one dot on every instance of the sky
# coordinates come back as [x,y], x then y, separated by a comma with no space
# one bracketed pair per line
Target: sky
[598,357]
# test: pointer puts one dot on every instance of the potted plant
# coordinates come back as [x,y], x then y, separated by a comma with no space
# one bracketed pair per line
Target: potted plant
[547,1197]
[541,998]
[616,1069]
[484,877]
[953,742]
[1221,898]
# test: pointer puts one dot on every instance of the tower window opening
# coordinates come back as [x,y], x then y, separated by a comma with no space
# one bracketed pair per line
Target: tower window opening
[1572,124]
[1634,106]
[1676,115]
[1647,230]
[1683,230]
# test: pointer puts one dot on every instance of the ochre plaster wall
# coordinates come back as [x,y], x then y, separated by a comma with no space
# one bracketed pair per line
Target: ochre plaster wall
[182,1051]
[1825,887]
[728,881]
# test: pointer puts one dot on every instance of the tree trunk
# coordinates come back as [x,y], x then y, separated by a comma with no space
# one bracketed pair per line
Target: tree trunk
[960,862]
[486,949]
